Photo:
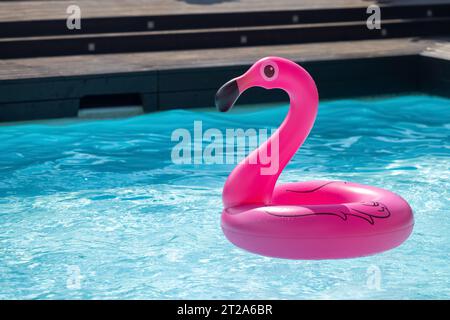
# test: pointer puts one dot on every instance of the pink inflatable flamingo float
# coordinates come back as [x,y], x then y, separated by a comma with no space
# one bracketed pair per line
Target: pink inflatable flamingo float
[302,220]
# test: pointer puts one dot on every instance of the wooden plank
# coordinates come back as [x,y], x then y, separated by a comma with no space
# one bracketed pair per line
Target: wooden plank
[56,10]
[440,49]
[186,60]
[191,21]
[218,38]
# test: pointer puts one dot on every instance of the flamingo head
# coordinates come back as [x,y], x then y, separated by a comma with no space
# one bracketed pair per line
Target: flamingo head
[268,73]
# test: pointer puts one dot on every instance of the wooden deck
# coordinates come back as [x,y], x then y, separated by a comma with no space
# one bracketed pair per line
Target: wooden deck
[38,28]
[55,10]
[192,48]
[52,87]
[54,67]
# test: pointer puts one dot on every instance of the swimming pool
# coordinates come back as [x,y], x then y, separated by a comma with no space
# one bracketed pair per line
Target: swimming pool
[97,209]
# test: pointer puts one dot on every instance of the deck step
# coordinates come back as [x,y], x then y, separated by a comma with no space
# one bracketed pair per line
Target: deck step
[208,20]
[217,38]
[72,86]
[115,33]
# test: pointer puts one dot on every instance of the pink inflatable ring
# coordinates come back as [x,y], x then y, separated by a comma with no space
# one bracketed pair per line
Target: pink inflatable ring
[304,220]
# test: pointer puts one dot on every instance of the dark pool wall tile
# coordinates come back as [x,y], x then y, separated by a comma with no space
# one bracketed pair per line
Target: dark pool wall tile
[31,99]
[75,87]
[205,98]
[435,76]
[30,90]
[37,110]
[335,79]
[149,102]
[197,78]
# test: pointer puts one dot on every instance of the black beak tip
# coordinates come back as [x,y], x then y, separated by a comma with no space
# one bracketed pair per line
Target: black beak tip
[226,96]
[222,107]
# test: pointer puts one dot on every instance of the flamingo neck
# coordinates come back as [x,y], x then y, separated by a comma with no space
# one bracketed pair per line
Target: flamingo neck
[253,180]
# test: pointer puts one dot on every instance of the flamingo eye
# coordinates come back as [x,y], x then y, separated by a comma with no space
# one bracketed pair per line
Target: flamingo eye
[269,71]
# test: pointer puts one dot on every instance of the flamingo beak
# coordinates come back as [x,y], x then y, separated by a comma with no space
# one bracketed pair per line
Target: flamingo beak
[227,95]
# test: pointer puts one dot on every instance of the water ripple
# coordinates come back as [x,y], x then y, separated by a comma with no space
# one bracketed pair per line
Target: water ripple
[104,199]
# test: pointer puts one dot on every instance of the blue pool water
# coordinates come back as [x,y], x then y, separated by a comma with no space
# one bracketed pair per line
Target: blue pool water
[97,209]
